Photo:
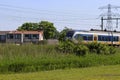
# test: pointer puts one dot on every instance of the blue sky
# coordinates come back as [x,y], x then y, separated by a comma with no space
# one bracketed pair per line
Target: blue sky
[75,14]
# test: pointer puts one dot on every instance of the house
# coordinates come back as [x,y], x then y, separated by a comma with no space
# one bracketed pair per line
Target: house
[3,36]
[21,36]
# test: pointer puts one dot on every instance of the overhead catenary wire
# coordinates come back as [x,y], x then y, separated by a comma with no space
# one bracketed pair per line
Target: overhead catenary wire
[54,16]
[70,18]
[57,21]
[31,10]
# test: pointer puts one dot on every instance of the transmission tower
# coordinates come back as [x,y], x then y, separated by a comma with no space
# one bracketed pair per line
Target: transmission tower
[109,16]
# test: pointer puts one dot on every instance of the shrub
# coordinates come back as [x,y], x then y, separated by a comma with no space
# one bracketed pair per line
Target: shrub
[112,50]
[99,48]
[66,46]
[81,50]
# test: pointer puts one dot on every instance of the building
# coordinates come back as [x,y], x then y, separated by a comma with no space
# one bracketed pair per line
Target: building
[3,36]
[21,36]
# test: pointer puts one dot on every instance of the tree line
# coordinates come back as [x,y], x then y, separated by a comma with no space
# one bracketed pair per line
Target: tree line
[50,31]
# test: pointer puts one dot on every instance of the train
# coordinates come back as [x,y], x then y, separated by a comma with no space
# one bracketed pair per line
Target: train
[100,36]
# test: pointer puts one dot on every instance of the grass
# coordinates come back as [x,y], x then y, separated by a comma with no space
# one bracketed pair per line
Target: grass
[91,73]
[32,58]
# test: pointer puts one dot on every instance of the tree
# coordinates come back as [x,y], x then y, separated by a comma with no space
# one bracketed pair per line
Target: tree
[63,34]
[48,27]
[29,26]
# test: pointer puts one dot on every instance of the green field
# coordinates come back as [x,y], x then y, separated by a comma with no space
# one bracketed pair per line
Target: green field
[91,73]
[35,58]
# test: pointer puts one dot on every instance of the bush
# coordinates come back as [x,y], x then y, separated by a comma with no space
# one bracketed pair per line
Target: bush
[112,50]
[66,46]
[99,48]
[69,47]
[81,50]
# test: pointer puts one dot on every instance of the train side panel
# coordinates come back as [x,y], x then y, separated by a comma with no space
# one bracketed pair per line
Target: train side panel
[100,37]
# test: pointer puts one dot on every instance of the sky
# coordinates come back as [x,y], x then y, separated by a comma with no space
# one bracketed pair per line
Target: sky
[75,14]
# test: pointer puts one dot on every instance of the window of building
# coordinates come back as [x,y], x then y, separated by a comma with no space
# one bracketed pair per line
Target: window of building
[17,36]
[35,36]
[2,37]
[10,36]
[27,36]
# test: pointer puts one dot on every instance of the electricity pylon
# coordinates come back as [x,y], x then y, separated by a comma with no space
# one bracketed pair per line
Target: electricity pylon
[109,16]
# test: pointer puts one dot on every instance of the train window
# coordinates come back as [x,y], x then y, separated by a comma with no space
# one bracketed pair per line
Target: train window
[86,37]
[103,38]
[115,38]
[90,37]
[69,34]
[78,37]
[107,38]
[99,38]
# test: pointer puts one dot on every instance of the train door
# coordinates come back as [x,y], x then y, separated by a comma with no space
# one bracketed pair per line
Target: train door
[119,40]
[95,38]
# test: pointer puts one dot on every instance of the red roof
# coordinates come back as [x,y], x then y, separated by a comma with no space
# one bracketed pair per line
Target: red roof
[26,32]
[4,32]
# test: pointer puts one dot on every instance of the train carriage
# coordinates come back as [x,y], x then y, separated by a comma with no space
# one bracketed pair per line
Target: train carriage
[105,37]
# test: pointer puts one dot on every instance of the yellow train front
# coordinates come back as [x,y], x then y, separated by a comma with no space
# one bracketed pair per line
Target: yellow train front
[105,37]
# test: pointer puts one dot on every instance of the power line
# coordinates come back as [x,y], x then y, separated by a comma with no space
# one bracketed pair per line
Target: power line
[23,9]
[70,18]
[55,21]
[56,17]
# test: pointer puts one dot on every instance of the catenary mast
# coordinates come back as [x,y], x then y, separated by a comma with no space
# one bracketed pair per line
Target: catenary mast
[109,16]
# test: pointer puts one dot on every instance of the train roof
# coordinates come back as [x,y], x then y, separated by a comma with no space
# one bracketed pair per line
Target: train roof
[79,30]
[95,30]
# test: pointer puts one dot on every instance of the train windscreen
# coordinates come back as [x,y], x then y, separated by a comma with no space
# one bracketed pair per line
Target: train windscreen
[69,34]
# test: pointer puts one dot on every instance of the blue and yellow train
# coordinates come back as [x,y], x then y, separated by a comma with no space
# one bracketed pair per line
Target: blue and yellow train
[105,37]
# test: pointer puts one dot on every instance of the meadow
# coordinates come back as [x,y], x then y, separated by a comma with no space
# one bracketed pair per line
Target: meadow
[90,73]
[33,58]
